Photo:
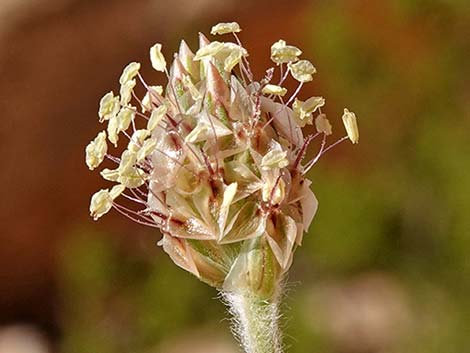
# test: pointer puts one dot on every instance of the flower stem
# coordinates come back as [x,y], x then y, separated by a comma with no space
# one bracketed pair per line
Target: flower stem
[255,322]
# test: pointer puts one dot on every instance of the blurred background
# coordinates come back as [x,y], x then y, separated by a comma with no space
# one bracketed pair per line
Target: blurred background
[386,265]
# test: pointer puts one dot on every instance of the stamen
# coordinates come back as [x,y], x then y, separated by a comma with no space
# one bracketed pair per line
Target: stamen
[257,113]
[335,144]
[137,196]
[296,92]
[291,131]
[246,72]
[135,111]
[138,191]
[269,74]
[125,214]
[143,81]
[283,77]
[242,75]
[149,89]
[244,60]
[136,213]
[112,158]
[173,91]
[303,150]
[154,194]
[137,99]
[269,121]
[145,165]
[317,157]
[134,199]
[125,133]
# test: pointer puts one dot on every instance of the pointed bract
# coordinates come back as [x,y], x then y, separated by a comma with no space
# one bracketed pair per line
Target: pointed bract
[216,85]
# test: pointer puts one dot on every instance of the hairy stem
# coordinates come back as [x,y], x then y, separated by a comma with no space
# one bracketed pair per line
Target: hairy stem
[255,322]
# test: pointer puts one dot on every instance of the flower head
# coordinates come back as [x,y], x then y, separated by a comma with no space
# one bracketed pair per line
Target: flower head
[215,159]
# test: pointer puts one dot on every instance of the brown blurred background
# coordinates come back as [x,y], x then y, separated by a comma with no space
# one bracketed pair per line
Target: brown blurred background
[385,267]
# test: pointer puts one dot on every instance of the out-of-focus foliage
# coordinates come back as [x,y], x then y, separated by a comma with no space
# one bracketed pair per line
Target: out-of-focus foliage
[385,267]
[120,301]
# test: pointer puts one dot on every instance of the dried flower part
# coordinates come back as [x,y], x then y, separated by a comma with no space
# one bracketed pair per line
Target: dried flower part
[281,53]
[209,50]
[129,72]
[302,70]
[96,151]
[215,160]
[137,140]
[224,28]
[192,89]
[304,110]
[152,92]
[113,130]
[156,117]
[226,54]
[125,117]
[323,125]
[350,123]
[102,201]
[236,54]
[120,123]
[109,106]
[126,91]
[274,89]
[127,173]
[110,175]
[276,157]
[157,58]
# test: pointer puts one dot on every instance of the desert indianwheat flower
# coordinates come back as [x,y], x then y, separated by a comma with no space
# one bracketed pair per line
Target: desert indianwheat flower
[215,161]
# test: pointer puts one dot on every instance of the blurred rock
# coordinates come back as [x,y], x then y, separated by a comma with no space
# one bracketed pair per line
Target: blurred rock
[368,313]
[22,339]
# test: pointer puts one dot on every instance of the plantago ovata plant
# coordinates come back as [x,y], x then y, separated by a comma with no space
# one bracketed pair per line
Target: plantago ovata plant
[216,161]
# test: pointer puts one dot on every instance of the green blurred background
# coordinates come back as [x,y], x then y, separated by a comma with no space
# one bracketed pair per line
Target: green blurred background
[385,267]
